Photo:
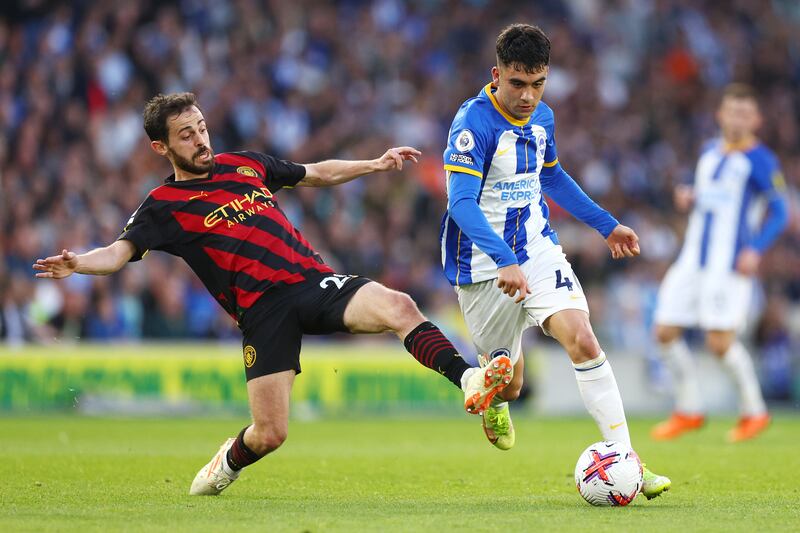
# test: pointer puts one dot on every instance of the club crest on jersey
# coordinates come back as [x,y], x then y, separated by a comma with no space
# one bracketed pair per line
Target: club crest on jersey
[465,141]
[541,146]
[249,356]
[247,171]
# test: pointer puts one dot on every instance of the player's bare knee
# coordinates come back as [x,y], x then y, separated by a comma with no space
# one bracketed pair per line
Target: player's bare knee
[717,346]
[584,345]
[663,334]
[403,311]
[667,334]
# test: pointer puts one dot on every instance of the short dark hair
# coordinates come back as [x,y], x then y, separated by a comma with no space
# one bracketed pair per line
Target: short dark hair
[162,106]
[524,47]
[739,90]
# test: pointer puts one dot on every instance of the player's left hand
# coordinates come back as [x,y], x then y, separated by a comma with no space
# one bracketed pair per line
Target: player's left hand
[394,157]
[747,262]
[623,242]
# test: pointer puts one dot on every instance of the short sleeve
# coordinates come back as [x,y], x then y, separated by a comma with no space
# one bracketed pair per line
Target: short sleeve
[143,231]
[469,141]
[278,173]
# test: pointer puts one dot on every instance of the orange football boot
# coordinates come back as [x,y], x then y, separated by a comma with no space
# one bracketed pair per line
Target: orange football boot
[677,425]
[748,427]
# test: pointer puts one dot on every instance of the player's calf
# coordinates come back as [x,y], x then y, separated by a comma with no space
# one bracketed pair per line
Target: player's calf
[432,349]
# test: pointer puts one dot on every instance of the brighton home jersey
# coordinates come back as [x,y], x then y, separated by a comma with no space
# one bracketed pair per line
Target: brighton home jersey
[732,188]
[507,156]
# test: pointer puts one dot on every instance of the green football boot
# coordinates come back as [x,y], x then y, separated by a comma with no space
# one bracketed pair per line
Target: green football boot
[653,484]
[498,426]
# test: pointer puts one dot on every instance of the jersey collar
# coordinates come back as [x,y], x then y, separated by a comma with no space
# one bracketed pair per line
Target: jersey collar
[744,146]
[171,178]
[488,90]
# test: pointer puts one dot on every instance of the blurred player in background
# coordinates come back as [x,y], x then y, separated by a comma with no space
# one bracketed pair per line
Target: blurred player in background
[710,284]
[498,248]
[218,213]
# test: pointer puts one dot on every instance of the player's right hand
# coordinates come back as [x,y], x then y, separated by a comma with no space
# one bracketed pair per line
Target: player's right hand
[394,157]
[683,197]
[747,262]
[511,281]
[57,266]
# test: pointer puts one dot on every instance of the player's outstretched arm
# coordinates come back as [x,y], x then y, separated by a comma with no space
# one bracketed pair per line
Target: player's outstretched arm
[335,171]
[100,261]
[623,242]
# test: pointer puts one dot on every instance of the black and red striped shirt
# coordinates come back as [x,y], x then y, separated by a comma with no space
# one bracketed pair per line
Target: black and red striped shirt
[228,228]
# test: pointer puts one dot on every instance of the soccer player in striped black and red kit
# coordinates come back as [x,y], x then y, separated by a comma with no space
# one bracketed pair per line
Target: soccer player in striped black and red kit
[219,213]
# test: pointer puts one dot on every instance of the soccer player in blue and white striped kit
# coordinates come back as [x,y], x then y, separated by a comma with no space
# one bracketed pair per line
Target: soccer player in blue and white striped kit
[710,284]
[498,248]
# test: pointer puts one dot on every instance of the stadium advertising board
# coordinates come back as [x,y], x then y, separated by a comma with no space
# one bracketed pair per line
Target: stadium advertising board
[185,378]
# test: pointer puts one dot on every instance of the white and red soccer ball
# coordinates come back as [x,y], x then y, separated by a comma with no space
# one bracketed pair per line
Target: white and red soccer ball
[609,474]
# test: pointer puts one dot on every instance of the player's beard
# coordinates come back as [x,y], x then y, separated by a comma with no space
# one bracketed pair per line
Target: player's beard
[189,165]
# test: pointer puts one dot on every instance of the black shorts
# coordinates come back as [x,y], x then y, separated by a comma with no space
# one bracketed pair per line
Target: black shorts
[274,327]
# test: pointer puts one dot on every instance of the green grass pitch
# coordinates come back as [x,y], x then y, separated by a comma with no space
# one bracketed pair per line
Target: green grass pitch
[420,474]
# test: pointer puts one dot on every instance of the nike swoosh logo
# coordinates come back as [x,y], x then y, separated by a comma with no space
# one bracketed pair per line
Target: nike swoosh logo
[615,426]
[202,193]
[501,152]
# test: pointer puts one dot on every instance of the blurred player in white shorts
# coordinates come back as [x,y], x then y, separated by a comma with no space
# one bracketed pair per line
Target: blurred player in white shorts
[710,285]
[498,249]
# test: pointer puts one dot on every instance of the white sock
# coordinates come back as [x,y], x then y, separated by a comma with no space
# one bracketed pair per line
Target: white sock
[740,365]
[684,377]
[466,375]
[600,394]
[227,468]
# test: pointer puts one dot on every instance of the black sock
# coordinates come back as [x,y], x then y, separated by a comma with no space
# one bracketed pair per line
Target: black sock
[239,455]
[430,347]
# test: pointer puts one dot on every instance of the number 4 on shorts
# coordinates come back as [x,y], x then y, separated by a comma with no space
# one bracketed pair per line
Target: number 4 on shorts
[562,282]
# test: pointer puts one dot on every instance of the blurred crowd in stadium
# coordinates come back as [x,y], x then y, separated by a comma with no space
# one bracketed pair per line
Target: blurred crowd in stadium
[634,85]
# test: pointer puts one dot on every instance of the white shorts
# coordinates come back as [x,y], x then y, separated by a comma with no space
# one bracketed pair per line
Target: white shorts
[690,297]
[496,322]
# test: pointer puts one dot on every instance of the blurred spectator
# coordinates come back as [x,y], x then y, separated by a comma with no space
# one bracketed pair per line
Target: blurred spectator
[15,326]
[634,85]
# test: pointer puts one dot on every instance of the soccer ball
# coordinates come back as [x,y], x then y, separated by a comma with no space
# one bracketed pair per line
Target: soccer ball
[608,473]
